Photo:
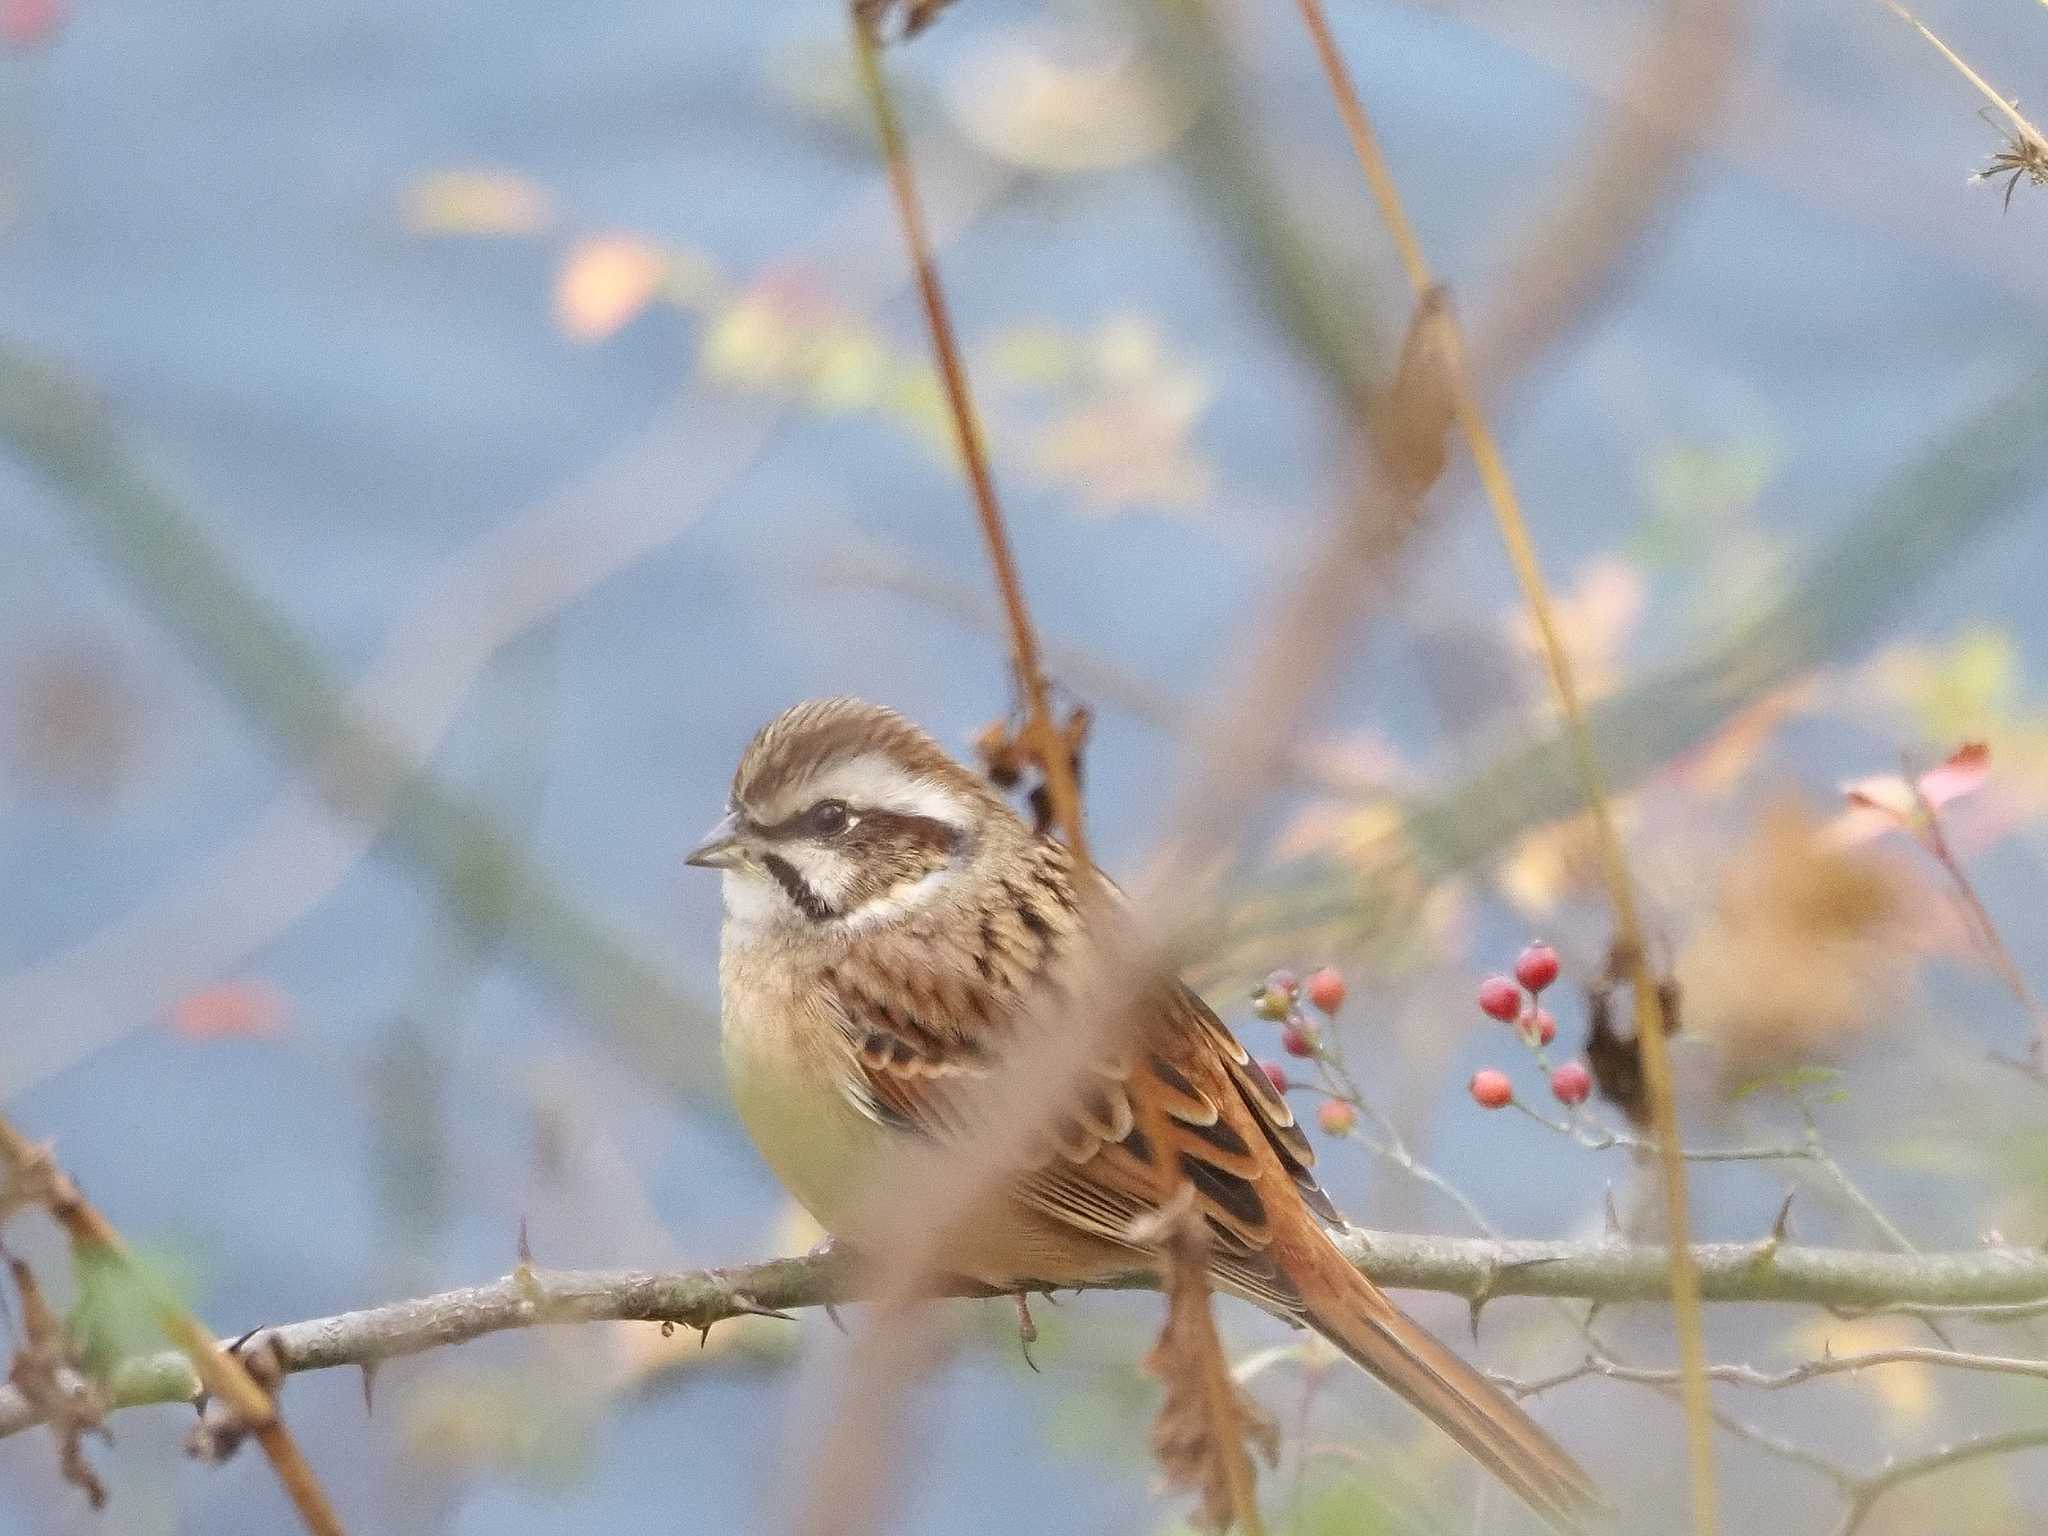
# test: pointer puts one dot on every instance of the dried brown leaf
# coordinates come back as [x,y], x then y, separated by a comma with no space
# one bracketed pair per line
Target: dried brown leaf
[1207,1424]
[1806,949]
[1007,749]
[1414,420]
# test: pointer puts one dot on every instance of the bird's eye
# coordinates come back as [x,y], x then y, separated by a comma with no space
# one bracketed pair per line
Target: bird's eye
[827,818]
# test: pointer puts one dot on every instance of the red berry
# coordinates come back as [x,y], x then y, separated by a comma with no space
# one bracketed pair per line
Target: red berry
[1283,981]
[1325,988]
[1299,1037]
[1537,967]
[1571,1083]
[1539,1026]
[1490,1088]
[1500,998]
[1275,1074]
[1336,1117]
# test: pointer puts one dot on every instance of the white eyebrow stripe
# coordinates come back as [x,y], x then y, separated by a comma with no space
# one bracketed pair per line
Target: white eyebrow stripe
[875,782]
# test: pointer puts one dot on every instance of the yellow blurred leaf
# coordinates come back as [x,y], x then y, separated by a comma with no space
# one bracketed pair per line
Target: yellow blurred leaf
[850,371]
[1036,354]
[1958,691]
[604,282]
[1907,1390]
[475,202]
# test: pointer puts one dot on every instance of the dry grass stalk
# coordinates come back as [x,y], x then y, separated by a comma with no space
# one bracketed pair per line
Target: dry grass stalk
[1514,531]
[2026,151]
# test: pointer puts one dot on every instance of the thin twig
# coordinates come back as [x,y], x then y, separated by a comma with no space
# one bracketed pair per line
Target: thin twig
[32,1176]
[1865,1492]
[1791,1376]
[1042,736]
[1934,838]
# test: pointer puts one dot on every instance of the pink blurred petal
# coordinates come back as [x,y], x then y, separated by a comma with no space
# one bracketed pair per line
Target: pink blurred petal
[1963,774]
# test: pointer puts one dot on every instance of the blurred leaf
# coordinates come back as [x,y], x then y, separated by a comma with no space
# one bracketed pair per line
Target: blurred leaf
[1063,102]
[273,673]
[1804,950]
[1701,497]
[1965,482]
[1038,353]
[1887,803]
[77,721]
[1718,764]
[475,202]
[1906,1390]
[247,1010]
[28,24]
[1095,1420]
[605,281]
[1955,691]
[1595,616]
[518,1423]
[1796,1081]
[1359,1506]
[114,1313]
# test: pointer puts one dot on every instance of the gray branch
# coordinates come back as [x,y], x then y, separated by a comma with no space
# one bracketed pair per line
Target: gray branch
[1478,1269]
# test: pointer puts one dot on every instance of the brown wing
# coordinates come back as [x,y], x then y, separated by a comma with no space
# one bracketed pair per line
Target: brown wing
[922,1056]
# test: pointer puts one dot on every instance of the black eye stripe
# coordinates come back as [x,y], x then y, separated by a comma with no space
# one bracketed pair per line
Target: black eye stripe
[805,900]
[903,826]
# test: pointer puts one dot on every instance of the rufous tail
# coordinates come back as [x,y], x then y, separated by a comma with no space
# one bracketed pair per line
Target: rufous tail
[1352,1313]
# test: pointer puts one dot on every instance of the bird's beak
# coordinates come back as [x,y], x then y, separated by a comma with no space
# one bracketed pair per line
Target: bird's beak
[721,846]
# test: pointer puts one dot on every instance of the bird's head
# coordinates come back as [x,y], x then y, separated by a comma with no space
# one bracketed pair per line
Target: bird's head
[844,815]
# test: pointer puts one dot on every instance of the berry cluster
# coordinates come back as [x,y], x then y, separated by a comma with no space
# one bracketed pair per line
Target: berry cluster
[1516,1000]
[1278,1000]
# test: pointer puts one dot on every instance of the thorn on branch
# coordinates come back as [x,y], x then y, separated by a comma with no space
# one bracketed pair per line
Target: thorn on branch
[739,1304]
[221,1430]
[1781,1229]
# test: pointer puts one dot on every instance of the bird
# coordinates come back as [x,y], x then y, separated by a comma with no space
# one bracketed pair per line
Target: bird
[891,928]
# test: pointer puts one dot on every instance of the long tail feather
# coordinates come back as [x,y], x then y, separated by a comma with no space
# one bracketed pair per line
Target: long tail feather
[1350,1311]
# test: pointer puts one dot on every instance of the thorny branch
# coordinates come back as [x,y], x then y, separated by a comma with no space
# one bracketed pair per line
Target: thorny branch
[29,1176]
[1477,1269]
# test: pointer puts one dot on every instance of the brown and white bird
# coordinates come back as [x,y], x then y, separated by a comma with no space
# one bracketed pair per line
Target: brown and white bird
[890,926]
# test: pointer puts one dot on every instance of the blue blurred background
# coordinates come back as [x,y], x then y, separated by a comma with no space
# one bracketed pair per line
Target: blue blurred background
[546,374]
